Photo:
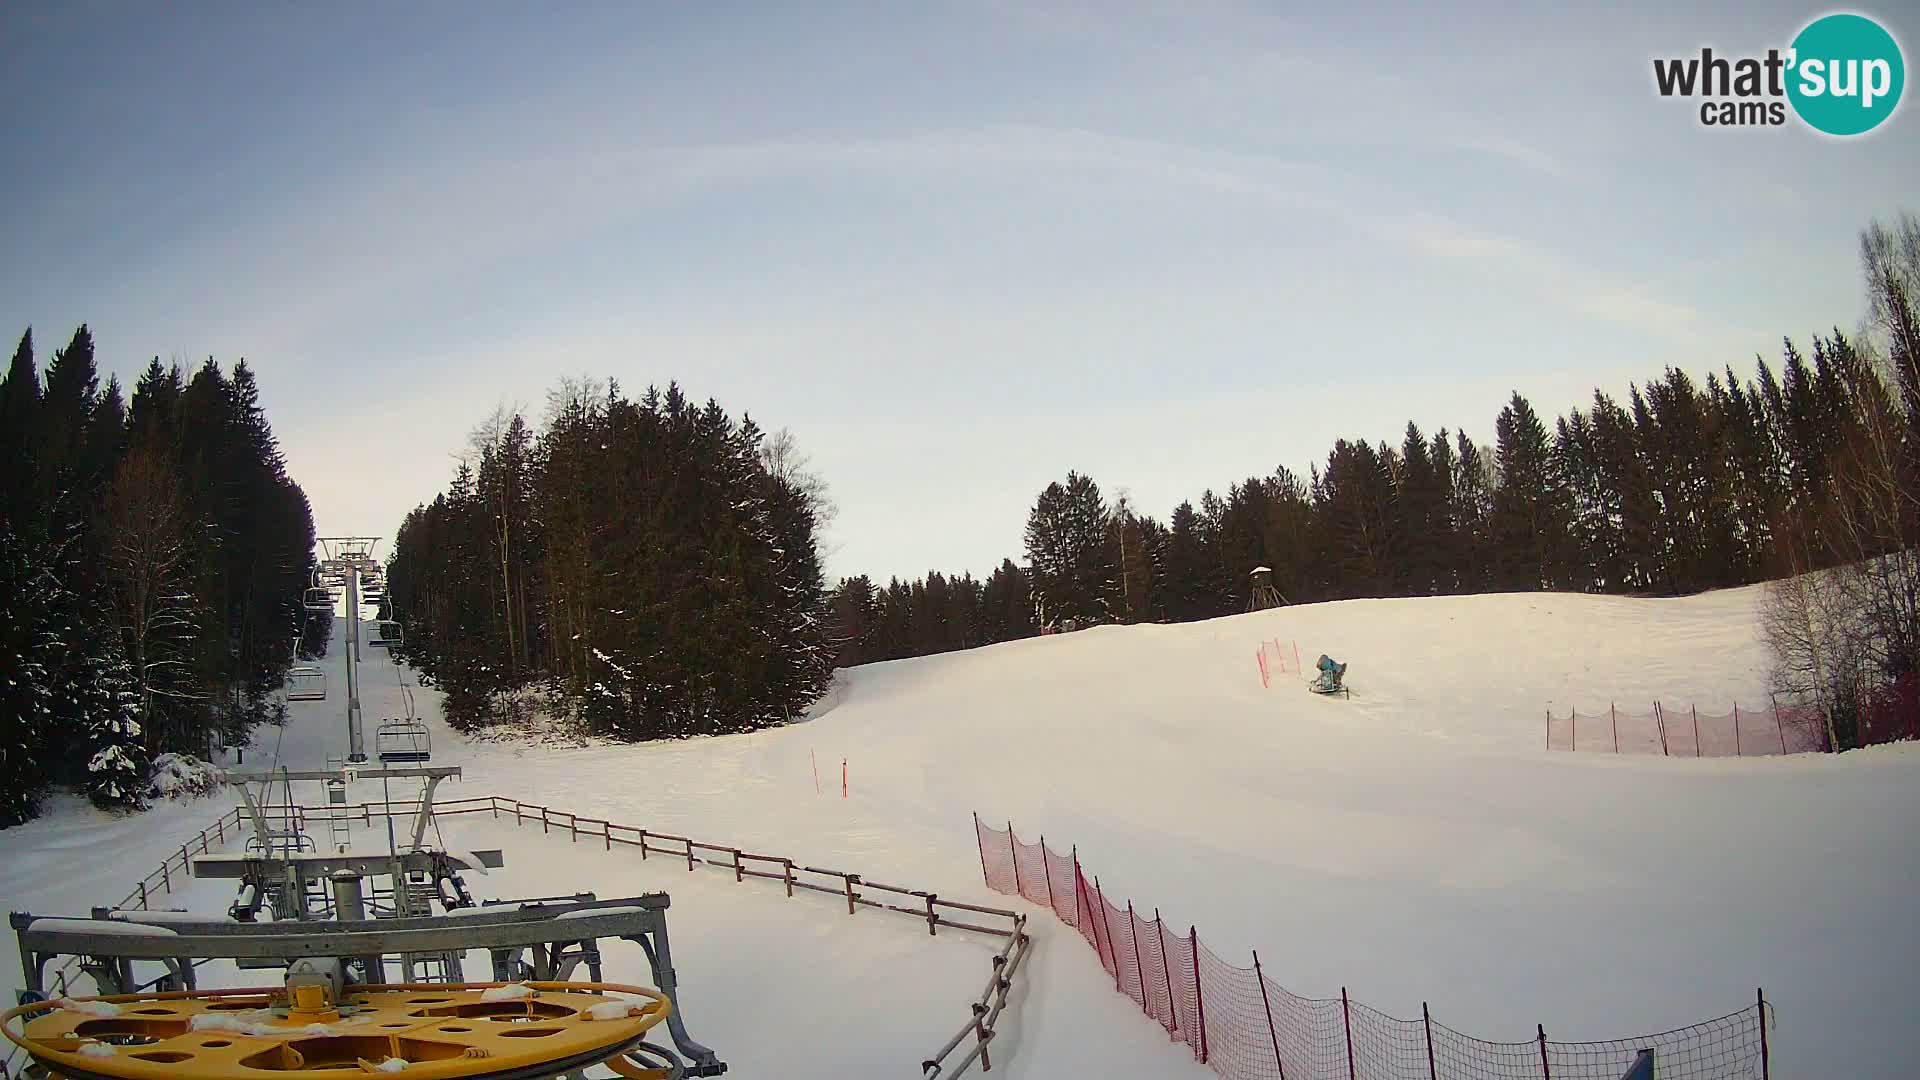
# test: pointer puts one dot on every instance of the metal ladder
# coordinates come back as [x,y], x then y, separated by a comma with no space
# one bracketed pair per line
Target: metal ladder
[339,823]
[432,967]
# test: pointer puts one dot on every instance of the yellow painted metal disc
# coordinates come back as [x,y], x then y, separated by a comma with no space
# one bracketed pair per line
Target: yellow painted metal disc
[490,1031]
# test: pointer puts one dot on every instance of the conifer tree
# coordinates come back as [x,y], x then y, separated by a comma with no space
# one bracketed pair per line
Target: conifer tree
[112,742]
[19,408]
[1075,576]
[1529,520]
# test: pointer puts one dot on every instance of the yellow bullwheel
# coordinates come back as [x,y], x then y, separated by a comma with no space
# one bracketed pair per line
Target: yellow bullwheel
[436,1031]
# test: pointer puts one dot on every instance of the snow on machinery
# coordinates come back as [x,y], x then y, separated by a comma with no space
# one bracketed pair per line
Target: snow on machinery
[530,1021]
[338,924]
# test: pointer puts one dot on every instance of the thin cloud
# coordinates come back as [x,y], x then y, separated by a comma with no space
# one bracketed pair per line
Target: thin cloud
[1520,153]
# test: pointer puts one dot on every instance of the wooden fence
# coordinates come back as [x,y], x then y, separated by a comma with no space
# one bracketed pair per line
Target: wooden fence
[856,890]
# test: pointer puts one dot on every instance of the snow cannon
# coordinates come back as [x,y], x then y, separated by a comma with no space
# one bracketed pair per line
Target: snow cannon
[307,1029]
[1331,679]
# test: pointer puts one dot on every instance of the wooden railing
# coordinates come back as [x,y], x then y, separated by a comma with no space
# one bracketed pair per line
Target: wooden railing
[855,889]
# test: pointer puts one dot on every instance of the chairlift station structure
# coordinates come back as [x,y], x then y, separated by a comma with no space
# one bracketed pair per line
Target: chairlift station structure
[370,946]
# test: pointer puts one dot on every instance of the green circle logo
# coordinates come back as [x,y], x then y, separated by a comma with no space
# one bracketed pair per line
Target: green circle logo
[1845,74]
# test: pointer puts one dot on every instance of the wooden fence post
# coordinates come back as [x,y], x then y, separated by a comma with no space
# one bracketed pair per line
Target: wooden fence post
[1696,725]
[787,865]
[1660,719]
[643,845]
[1346,1021]
[1139,969]
[1046,872]
[1778,730]
[739,872]
[1268,1006]
[1079,890]
[1426,1021]
[1166,976]
[1199,998]
[851,878]
[1736,730]
[1101,896]
[1615,715]
[980,841]
[1545,1071]
[1013,852]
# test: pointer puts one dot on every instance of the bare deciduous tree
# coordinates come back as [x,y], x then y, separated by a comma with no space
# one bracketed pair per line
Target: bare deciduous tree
[149,570]
[1844,635]
[784,461]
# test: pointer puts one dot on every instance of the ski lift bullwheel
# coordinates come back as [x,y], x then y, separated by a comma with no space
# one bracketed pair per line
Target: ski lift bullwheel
[440,1031]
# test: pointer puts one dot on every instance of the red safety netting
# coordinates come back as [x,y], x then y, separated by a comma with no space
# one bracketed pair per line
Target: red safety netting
[1689,732]
[1891,713]
[1275,658]
[1242,1024]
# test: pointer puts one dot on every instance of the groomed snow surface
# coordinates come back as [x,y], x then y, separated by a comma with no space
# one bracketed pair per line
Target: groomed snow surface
[1413,843]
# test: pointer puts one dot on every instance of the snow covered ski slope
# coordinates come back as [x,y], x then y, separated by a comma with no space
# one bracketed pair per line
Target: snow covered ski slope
[1413,843]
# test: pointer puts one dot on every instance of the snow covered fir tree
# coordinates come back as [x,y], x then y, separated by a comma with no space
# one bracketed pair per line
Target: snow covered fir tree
[648,562]
[152,555]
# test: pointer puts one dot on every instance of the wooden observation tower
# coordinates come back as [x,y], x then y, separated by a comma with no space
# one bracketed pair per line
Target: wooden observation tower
[1262,594]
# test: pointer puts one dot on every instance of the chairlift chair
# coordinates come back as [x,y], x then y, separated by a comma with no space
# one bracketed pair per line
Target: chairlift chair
[386,632]
[306,684]
[403,741]
[319,600]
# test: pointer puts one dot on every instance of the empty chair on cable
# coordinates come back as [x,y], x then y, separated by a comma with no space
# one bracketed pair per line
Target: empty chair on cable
[386,632]
[403,740]
[306,684]
[319,600]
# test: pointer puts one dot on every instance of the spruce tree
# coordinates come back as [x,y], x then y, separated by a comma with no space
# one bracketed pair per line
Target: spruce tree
[19,406]
[1075,571]
[112,742]
[30,653]
[1529,520]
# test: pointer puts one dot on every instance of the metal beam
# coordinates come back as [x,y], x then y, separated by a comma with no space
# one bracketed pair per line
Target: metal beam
[521,927]
[440,771]
[318,865]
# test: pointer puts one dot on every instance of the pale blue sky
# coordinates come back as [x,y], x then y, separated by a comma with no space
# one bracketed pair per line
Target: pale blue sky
[958,251]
